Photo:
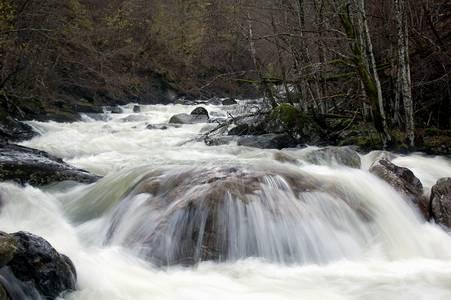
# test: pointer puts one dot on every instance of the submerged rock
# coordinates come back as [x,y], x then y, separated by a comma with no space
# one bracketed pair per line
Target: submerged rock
[36,265]
[26,165]
[197,209]
[268,141]
[341,155]
[403,180]
[188,119]
[440,202]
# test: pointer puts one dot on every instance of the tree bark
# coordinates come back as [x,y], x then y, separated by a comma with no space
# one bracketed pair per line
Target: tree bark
[405,86]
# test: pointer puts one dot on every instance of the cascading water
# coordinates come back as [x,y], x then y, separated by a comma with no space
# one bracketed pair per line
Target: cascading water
[177,220]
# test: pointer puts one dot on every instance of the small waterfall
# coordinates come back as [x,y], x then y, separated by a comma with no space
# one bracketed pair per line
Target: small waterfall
[314,214]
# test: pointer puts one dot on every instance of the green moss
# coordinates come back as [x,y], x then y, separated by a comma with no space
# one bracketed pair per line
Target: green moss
[289,115]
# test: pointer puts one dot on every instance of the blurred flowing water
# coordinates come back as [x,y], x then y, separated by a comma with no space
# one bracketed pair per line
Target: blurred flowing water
[181,220]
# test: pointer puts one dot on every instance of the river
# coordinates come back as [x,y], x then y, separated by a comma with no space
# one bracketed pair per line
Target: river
[281,228]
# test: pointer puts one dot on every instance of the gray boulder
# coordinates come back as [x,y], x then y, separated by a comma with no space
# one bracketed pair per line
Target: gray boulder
[440,202]
[26,165]
[403,180]
[136,108]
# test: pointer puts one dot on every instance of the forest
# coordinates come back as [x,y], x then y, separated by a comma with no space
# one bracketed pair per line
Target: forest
[384,61]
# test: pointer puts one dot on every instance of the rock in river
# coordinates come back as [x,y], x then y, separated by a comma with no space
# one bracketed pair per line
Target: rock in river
[267,141]
[30,266]
[403,180]
[440,202]
[35,167]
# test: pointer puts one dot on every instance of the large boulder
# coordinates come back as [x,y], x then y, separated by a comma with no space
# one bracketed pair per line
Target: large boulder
[200,210]
[200,111]
[36,264]
[440,202]
[403,180]
[26,165]
[286,118]
[268,141]
[13,130]
[340,155]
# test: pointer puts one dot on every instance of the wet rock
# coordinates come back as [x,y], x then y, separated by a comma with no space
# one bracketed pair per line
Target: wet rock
[13,130]
[8,248]
[402,179]
[268,141]
[188,119]
[136,108]
[286,118]
[25,165]
[341,155]
[229,101]
[214,101]
[440,202]
[196,208]
[200,111]
[37,265]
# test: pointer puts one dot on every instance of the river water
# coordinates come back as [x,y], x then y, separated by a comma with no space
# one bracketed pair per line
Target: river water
[276,226]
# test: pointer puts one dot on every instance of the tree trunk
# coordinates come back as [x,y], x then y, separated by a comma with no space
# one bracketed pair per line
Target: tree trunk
[405,86]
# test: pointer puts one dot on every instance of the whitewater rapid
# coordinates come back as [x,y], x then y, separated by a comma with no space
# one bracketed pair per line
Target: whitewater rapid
[356,239]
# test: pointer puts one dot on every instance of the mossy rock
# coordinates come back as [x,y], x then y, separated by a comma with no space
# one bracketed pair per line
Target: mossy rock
[288,115]
[286,118]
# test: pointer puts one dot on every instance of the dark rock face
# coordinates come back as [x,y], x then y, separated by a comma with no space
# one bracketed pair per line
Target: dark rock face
[403,180]
[13,130]
[229,101]
[268,141]
[37,264]
[341,155]
[199,111]
[440,202]
[26,165]
[188,119]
